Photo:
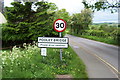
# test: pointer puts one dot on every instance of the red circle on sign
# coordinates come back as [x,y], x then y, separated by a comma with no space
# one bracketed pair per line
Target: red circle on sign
[59,20]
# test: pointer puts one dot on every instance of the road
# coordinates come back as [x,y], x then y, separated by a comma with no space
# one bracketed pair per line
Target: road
[101,59]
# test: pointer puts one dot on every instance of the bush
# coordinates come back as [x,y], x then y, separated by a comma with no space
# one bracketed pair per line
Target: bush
[104,33]
[99,33]
[28,25]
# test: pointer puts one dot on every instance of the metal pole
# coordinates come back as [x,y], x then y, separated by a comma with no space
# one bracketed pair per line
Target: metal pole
[60,35]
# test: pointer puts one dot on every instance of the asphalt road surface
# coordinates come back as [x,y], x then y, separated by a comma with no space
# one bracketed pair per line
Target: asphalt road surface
[101,59]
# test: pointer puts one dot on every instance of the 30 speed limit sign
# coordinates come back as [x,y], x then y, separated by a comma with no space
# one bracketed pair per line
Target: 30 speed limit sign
[59,25]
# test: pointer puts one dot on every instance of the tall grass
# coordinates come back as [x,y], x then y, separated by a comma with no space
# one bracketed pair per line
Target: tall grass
[28,63]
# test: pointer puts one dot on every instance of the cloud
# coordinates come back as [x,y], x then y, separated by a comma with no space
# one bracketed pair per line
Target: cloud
[7,3]
[72,6]
[105,16]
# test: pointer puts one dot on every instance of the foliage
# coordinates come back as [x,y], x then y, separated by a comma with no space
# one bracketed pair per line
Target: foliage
[26,23]
[103,32]
[62,14]
[80,21]
[86,17]
[95,32]
[28,63]
[113,5]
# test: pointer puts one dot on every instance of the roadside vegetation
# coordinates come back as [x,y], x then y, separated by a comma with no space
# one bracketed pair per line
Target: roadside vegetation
[81,23]
[101,32]
[28,63]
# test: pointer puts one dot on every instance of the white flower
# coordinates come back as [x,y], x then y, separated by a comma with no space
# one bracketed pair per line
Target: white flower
[24,44]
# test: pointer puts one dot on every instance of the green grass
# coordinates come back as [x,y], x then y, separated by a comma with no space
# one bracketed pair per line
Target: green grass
[105,40]
[7,50]
[28,63]
[100,39]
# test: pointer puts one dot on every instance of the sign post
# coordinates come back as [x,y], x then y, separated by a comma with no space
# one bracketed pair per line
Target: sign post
[54,42]
[60,35]
[60,26]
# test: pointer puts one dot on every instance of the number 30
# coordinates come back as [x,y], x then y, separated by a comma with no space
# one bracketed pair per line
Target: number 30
[61,25]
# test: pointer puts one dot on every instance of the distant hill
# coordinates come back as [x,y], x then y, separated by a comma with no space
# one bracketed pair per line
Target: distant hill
[105,23]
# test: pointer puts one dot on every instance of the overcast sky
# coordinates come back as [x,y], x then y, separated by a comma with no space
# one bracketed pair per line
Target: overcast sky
[75,6]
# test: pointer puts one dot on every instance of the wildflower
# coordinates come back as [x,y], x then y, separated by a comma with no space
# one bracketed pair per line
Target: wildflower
[14,48]
[24,44]
[33,42]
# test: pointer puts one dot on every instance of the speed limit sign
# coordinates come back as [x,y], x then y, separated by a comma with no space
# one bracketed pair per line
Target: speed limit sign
[59,25]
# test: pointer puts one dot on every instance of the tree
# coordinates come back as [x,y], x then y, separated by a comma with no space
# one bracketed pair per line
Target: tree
[80,21]
[113,5]
[26,23]
[75,23]
[63,14]
[86,17]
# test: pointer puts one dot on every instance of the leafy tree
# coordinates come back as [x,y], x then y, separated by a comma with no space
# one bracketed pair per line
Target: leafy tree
[86,17]
[113,5]
[26,23]
[80,21]
[53,8]
[63,14]
[76,23]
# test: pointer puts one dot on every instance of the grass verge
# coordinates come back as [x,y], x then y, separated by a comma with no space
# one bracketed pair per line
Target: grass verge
[28,63]
[104,40]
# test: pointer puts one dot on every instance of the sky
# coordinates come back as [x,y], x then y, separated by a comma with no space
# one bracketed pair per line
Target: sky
[75,6]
